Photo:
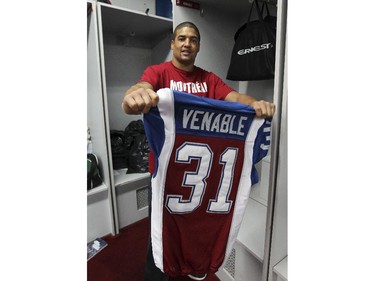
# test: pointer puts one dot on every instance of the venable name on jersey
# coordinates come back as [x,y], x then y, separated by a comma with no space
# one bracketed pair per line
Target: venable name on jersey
[214,122]
[254,49]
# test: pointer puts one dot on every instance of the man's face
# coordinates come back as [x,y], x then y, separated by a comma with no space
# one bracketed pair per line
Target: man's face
[185,45]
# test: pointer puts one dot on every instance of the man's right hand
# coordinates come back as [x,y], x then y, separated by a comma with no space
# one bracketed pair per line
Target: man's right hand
[140,100]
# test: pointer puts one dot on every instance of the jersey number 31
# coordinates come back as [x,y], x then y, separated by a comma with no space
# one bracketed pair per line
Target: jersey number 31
[196,180]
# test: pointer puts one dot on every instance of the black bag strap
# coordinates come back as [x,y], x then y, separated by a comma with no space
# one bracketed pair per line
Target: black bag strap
[268,11]
[260,16]
[251,9]
[260,13]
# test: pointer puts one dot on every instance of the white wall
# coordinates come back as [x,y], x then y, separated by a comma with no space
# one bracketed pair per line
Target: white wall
[162,51]
[119,58]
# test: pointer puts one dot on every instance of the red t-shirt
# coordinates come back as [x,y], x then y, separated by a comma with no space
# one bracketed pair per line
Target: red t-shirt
[199,82]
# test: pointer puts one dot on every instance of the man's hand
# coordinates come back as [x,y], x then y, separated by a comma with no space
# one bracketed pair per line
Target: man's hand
[263,108]
[139,101]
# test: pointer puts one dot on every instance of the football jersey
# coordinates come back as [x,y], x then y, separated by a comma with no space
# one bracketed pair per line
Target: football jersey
[205,151]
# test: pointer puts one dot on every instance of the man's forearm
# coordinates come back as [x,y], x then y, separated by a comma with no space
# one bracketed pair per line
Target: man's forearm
[135,87]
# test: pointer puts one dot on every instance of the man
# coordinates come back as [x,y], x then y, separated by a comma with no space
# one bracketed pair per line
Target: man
[181,74]
[185,46]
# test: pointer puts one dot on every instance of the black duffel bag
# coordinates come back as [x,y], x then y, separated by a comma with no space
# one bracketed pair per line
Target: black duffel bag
[120,153]
[137,145]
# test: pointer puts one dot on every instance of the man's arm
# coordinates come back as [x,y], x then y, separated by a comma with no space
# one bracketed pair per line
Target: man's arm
[261,107]
[139,98]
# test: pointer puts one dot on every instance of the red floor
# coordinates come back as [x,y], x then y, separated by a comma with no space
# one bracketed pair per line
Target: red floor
[124,257]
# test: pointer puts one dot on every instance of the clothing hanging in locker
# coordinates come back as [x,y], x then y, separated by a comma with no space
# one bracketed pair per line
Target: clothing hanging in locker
[253,54]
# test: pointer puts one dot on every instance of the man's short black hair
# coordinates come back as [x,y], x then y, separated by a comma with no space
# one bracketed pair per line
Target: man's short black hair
[186,24]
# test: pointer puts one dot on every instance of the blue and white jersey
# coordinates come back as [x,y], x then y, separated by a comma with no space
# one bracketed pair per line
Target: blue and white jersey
[205,151]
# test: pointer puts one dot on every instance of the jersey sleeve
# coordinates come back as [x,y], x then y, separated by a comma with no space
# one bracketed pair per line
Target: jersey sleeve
[261,147]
